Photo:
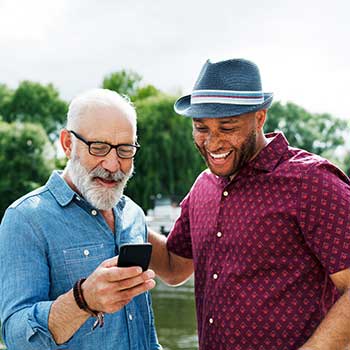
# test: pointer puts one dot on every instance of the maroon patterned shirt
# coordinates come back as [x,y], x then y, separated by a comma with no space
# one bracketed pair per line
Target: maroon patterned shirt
[263,246]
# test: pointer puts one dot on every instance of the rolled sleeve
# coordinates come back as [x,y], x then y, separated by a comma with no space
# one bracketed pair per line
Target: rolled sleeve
[24,276]
[28,329]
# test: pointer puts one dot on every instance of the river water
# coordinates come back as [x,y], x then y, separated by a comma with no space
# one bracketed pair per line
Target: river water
[175,318]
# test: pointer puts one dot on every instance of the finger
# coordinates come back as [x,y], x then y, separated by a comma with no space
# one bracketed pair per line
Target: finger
[111,262]
[114,274]
[135,281]
[134,291]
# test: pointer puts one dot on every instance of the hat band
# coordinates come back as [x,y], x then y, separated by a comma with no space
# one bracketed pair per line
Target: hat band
[227,97]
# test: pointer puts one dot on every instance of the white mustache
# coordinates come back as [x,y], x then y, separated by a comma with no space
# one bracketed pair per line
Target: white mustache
[106,175]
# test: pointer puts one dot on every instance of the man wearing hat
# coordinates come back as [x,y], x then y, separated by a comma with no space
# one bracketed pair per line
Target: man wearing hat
[266,228]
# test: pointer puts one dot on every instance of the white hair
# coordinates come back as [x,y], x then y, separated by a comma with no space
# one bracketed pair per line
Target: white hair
[99,98]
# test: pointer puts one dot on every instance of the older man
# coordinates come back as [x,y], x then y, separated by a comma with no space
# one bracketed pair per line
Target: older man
[266,228]
[58,244]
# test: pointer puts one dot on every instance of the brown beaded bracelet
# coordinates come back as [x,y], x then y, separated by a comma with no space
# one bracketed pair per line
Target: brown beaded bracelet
[81,302]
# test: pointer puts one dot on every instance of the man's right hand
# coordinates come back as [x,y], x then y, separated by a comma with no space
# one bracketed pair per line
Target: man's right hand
[109,288]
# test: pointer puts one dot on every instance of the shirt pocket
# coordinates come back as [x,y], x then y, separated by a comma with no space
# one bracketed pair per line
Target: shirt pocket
[81,261]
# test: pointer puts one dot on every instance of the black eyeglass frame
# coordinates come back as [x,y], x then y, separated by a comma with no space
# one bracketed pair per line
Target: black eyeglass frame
[89,143]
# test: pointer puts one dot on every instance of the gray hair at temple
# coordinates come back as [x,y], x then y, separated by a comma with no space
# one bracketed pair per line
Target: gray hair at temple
[96,99]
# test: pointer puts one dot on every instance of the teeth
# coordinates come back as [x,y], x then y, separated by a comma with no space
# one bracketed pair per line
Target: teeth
[218,156]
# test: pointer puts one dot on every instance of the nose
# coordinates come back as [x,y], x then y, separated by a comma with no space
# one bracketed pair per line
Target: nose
[111,161]
[212,142]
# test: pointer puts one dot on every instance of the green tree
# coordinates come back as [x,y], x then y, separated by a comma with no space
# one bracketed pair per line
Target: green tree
[127,82]
[317,133]
[6,96]
[145,92]
[40,104]
[25,160]
[346,163]
[168,162]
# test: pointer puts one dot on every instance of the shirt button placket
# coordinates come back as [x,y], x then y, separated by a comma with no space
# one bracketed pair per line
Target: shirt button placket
[132,325]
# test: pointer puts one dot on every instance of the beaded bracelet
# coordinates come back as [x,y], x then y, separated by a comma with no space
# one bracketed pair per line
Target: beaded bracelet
[81,302]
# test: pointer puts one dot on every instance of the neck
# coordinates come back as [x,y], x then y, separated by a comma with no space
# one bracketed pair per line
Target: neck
[262,142]
[67,178]
[109,217]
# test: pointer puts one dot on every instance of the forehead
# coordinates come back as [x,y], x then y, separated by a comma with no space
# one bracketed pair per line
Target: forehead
[107,124]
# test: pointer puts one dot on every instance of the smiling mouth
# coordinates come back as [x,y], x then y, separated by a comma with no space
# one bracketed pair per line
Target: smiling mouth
[105,181]
[219,155]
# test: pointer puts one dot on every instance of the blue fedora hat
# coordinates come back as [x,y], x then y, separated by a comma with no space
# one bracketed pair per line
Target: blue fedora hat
[224,89]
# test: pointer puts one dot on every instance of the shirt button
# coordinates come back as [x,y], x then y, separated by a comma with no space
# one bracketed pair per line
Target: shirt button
[130,317]
[211,321]
[225,193]
[77,198]
[215,276]
[86,252]
[94,212]
[219,234]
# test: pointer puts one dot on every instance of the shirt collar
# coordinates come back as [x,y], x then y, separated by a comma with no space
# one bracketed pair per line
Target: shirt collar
[60,189]
[270,155]
[267,159]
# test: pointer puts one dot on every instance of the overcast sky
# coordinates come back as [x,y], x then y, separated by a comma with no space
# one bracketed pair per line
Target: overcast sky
[301,47]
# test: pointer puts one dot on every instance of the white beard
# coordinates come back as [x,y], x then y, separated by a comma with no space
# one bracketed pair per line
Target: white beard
[98,196]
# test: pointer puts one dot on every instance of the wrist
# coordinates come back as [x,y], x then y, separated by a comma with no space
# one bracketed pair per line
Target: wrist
[82,304]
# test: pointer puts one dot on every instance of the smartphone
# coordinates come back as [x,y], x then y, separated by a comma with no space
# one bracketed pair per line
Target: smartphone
[135,255]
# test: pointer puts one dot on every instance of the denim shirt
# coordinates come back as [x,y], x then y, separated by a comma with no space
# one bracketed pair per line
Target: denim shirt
[48,240]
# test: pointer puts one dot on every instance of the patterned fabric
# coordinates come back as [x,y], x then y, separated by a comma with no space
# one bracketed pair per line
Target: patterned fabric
[263,247]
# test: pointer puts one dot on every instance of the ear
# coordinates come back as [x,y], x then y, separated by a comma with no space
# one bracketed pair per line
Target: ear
[260,119]
[66,142]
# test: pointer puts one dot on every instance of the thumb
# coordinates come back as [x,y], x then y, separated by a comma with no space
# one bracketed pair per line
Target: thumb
[111,262]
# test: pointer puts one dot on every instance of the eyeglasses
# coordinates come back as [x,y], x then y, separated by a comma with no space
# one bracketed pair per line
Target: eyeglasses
[101,149]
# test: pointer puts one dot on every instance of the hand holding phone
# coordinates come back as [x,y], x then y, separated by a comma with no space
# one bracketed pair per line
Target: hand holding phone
[135,255]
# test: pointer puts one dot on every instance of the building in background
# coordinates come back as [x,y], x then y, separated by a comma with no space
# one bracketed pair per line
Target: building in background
[164,214]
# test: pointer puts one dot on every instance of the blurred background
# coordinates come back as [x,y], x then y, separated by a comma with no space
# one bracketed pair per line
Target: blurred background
[153,51]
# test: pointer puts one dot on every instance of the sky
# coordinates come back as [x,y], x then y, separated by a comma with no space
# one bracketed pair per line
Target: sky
[301,47]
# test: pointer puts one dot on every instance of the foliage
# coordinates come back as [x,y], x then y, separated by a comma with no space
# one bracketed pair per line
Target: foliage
[317,133]
[60,163]
[25,154]
[6,95]
[129,83]
[347,164]
[35,103]
[145,91]
[125,82]
[168,162]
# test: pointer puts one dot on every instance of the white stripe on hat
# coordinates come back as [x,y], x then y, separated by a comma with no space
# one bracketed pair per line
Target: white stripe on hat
[227,97]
